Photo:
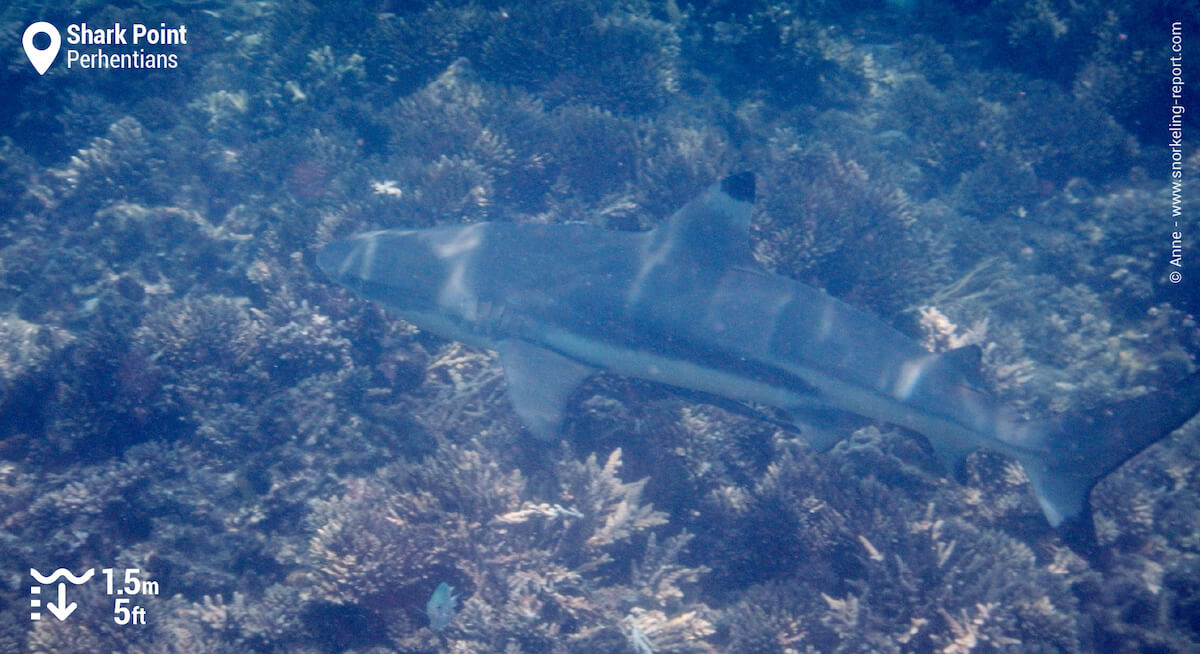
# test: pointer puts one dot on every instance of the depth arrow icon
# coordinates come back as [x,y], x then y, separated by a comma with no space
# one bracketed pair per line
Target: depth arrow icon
[62,610]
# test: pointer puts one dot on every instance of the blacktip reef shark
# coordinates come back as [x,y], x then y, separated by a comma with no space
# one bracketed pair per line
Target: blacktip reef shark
[686,305]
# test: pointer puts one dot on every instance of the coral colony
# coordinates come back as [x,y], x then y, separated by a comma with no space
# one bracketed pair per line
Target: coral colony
[185,393]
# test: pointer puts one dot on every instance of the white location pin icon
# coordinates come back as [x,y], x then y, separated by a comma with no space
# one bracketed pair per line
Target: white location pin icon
[41,59]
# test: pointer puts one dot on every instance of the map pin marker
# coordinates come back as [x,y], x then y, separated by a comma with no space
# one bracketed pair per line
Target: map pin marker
[41,59]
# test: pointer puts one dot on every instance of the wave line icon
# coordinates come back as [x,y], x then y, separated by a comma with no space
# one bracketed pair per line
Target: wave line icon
[64,573]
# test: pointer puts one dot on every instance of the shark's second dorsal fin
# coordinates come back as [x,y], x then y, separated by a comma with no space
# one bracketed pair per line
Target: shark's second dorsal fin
[964,362]
[715,226]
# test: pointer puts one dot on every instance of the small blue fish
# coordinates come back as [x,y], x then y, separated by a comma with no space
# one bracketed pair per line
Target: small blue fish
[440,607]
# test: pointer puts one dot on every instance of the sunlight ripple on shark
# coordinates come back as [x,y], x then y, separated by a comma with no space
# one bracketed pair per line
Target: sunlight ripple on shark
[686,304]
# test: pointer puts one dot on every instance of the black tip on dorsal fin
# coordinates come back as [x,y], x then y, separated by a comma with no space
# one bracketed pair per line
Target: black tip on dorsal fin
[739,186]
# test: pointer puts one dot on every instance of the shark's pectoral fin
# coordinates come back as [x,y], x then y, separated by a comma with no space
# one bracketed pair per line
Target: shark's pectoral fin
[539,383]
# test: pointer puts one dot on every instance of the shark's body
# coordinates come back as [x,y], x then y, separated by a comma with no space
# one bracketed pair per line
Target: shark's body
[686,305]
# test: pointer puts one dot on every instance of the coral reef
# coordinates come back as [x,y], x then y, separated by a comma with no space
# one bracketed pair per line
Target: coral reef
[883,575]
[183,393]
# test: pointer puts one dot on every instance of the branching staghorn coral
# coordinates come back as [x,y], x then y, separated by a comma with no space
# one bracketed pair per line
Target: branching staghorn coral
[869,577]
[525,570]
[599,492]
[563,50]
[838,206]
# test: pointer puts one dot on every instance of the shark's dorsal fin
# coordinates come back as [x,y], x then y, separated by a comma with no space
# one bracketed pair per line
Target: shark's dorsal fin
[714,226]
[696,245]
[539,383]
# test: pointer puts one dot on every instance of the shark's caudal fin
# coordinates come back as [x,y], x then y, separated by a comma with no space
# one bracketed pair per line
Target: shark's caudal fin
[1081,448]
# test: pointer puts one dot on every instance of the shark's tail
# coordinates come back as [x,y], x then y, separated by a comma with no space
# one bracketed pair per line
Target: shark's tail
[1081,448]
